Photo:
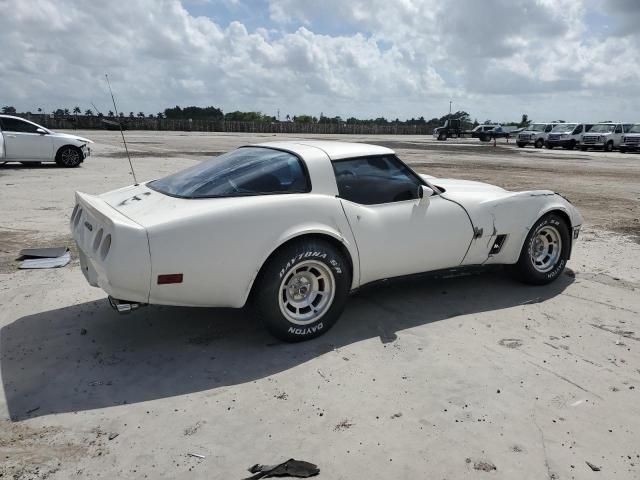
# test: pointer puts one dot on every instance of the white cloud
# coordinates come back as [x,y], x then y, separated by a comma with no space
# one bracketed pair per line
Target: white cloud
[497,59]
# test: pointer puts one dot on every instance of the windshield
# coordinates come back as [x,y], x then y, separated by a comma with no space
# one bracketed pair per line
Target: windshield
[242,172]
[603,128]
[537,127]
[564,128]
[635,128]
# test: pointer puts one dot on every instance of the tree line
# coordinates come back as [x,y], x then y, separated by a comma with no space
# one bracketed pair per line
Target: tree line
[216,114]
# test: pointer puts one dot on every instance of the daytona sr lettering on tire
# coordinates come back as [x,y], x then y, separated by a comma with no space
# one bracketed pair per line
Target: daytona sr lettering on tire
[302,290]
[545,251]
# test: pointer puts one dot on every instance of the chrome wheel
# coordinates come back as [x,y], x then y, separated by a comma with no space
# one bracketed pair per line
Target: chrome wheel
[70,157]
[306,292]
[545,249]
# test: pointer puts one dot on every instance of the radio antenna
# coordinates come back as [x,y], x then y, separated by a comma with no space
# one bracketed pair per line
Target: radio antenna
[115,108]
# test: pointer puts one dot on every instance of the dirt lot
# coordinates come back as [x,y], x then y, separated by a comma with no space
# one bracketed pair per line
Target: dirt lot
[442,378]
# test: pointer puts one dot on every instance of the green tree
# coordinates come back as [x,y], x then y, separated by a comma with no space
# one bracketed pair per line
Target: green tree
[76,110]
[9,110]
[88,112]
[140,114]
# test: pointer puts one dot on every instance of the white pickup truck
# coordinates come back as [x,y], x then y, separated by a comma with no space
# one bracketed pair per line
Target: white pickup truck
[27,142]
[631,140]
[535,135]
[567,135]
[604,136]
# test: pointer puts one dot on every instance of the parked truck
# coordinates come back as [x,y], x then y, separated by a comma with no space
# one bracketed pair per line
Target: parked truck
[604,136]
[452,128]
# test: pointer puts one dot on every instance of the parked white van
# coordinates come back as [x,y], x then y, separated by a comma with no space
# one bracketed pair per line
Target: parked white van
[631,140]
[534,134]
[604,136]
[567,135]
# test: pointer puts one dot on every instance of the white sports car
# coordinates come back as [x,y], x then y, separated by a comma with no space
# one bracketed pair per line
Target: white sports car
[294,226]
[27,142]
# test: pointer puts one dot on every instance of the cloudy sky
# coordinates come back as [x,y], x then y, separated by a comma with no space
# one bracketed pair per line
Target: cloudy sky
[497,59]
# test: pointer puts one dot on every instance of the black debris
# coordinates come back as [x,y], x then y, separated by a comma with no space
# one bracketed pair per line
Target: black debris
[593,467]
[290,468]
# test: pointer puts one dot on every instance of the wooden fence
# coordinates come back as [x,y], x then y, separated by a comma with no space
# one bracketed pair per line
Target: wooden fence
[110,123]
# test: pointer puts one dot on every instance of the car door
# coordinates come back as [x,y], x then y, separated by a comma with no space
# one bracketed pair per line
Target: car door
[396,232]
[23,142]
[617,135]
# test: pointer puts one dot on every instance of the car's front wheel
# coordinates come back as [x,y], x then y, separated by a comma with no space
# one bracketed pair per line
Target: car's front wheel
[545,251]
[302,290]
[69,156]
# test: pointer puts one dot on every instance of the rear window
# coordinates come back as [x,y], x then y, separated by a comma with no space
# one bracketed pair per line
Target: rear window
[242,172]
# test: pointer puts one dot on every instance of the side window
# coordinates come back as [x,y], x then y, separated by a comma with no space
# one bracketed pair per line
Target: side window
[577,130]
[618,129]
[14,125]
[627,127]
[375,180]
[548,129]
[588,128]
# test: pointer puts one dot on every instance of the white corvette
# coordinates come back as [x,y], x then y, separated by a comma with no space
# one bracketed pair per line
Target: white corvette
[294,226]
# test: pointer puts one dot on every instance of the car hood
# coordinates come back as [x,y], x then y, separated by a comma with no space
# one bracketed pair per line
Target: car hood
[454,186]
[74,137]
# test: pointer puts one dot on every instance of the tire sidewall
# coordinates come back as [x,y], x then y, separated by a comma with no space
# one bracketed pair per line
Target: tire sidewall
[525,264]
[267,296]
[62,150]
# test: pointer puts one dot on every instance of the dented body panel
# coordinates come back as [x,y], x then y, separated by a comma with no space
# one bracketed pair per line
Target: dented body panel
[219,245]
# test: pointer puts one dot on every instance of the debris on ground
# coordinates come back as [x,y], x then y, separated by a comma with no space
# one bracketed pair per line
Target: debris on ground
[396,415]
[113,435]
[510,342]
[484,466]
[343,425]
[291,468]
[35,258]
[593,467]
[192,429]
[196,455]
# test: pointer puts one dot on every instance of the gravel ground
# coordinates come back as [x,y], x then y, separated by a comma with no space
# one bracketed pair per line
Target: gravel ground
[445,378]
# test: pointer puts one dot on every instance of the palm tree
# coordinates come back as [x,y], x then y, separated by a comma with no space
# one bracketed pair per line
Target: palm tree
[88,112]
[8,109]
[160,115]
[76,110]
[66,111]
[110,114]
[140,114]
[131,115]
[39,110]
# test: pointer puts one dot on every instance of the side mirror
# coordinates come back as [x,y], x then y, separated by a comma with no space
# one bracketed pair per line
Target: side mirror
[424,191]
[41,131]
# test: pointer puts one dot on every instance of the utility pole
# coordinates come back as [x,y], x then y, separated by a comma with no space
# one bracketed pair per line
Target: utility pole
[450,102]
[278,114]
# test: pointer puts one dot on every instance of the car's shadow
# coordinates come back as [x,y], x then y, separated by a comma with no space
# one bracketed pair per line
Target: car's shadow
[28,165]
[85,356]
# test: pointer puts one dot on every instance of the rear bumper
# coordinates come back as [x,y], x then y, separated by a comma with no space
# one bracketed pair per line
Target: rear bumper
[113,250]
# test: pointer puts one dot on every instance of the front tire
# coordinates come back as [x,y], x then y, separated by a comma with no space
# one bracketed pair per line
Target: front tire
[539,143]
[608,147]
[545,251]
[521,145]
[302,290]
[69,156]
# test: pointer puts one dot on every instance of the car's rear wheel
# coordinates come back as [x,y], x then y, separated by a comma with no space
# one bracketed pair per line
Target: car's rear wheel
[545,251]
[623,150]
[302,290]
[69,156]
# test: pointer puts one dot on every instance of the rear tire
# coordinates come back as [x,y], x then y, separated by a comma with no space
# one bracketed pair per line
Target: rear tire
[623,150]
[545,251]
[69,156]
[302,290]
